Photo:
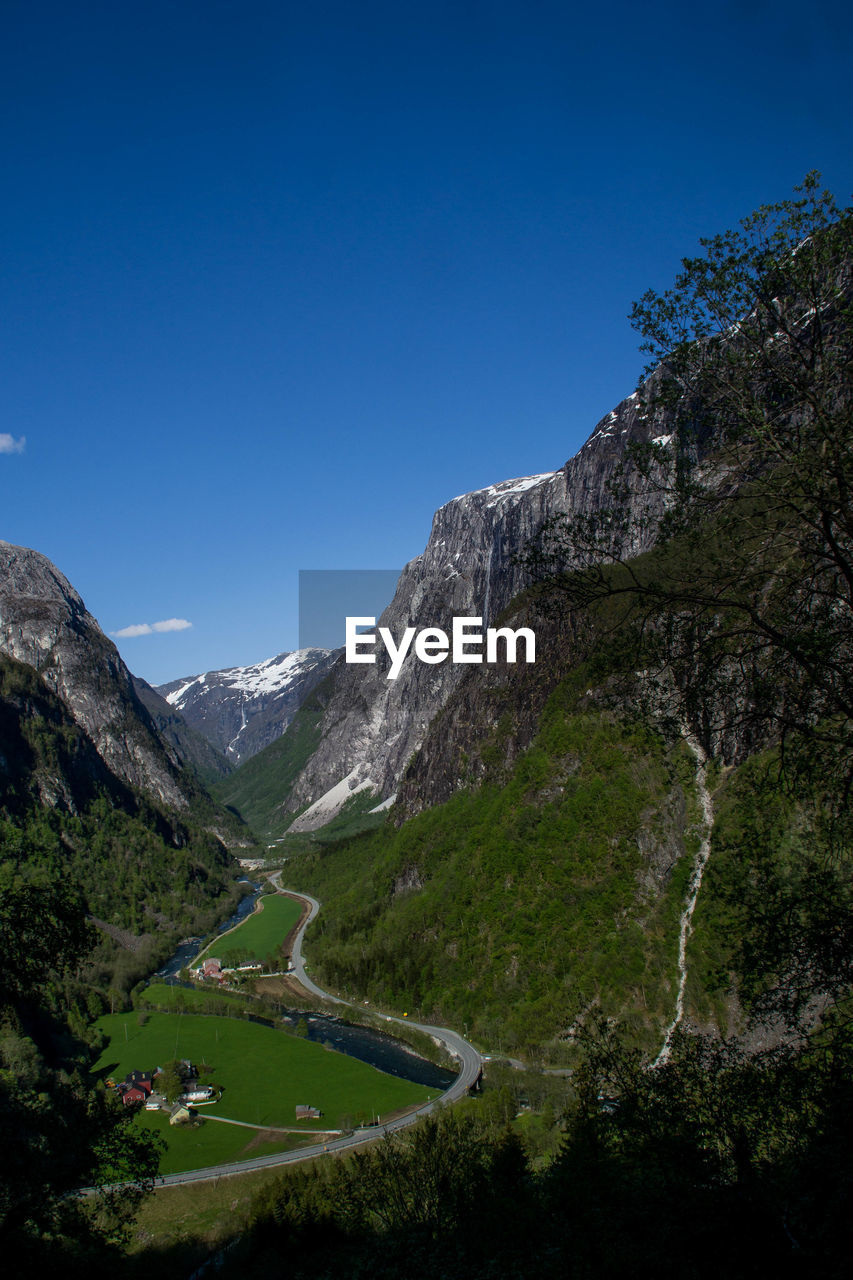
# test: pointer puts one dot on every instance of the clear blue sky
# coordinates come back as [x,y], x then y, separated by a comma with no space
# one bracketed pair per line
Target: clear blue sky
[279,279]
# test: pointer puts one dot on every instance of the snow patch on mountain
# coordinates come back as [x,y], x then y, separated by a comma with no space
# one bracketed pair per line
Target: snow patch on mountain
[272,676]
[242,709]
[176,697]
[498,493]
[330,804]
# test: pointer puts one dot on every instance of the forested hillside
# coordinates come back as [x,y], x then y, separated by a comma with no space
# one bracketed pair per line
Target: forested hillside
[554,881]
[138,866]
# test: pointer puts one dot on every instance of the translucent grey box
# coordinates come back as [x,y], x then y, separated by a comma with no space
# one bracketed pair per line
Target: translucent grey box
[327,597]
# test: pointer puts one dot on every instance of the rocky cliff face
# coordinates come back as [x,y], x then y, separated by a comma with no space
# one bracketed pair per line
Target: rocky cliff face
[242,709]
[45,624]
[373,725]
[45,758]
[494,712]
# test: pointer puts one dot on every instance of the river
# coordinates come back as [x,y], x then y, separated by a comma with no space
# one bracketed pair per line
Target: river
[189,949]
[373,1047]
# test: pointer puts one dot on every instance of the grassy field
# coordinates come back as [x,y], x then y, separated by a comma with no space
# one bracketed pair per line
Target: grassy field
[197,1146]
[201,999]
[181,1225]
[209,999]
[263,932]
[263,1074]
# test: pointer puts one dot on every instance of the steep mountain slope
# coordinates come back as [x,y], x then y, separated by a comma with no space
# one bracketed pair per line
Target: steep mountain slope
[371,726]
[545,864]
[255,789]
[192,748]
[45,757]
[537,861]
[44,623]
[242,709]
[144,870]
[90,788]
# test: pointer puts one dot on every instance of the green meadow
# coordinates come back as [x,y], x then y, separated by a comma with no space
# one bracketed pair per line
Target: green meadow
[205,998]
[210,1143]
[262,933]
[264,1075]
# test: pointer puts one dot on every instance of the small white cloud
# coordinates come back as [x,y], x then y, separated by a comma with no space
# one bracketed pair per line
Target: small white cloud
[172,624]
[8,444]
[138,629]
[147,628]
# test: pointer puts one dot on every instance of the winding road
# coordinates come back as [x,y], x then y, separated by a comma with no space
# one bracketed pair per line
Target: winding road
[470,1065]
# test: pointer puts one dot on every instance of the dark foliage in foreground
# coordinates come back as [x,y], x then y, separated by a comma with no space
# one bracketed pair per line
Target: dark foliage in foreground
[58,1133]
[711,1165]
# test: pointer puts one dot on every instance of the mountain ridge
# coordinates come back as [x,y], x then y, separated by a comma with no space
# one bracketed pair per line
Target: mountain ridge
[240,710]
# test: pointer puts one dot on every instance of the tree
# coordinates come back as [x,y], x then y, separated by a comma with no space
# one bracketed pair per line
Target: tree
[43,930]
[170,1081]
[747,599]
[733,1164]
[59,1132]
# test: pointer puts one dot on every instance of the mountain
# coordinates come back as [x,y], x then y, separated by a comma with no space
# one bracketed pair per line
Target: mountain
[46,759]
[541,867]
[371,726]
[563,842]
[89,786]
[45,624]
[242,709]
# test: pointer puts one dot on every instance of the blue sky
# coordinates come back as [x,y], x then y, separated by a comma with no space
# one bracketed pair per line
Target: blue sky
[280,279]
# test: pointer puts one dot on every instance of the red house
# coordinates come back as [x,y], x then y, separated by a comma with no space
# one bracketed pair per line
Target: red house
[134,1094]
[135,1087]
